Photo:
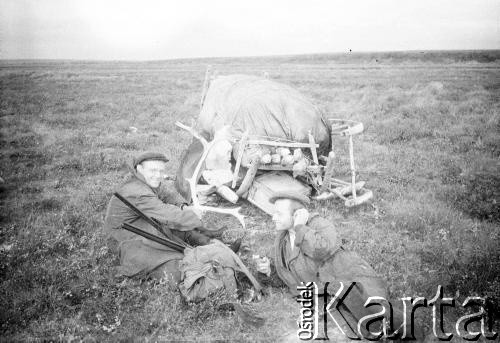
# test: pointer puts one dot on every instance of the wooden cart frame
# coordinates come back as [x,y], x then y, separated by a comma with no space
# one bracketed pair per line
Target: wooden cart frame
[319,175]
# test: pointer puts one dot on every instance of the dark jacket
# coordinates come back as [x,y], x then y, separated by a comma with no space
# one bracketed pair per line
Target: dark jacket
[139,256]
[315,243]
[318,257]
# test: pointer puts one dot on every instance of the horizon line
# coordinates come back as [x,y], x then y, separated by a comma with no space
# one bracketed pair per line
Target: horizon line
[360,52]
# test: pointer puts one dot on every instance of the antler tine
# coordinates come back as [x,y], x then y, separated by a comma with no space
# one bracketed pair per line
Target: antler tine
[193,179]
[206,148]
[232,211]
[194,133]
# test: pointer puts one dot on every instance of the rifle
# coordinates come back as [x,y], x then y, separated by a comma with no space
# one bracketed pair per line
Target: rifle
[157,225]
[243,311]
[166,242]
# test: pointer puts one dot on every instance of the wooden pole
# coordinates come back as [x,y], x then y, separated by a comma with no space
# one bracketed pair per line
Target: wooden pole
[241,150]
[353,170]
[313,144]
[327,177]
[281,144]
[206,84]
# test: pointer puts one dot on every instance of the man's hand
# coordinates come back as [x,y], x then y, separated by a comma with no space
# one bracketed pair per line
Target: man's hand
[196,211]
[262,264]
[300,217]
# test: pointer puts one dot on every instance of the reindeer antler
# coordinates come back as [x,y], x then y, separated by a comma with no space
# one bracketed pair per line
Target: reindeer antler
[193,179]
[232,211]
[196,135]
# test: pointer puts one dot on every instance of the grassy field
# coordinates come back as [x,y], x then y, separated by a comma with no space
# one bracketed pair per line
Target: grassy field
[430,153]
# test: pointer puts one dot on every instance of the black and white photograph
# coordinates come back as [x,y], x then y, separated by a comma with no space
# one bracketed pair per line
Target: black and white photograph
[249,171]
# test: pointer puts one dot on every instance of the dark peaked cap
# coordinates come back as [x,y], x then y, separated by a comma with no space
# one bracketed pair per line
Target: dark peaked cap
[149,156]
[304,200]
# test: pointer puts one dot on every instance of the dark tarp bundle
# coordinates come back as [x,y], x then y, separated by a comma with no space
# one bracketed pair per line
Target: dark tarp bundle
[263,107]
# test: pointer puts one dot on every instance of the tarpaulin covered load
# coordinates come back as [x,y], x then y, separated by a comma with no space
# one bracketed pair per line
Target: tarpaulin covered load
[267,109]
[263,107]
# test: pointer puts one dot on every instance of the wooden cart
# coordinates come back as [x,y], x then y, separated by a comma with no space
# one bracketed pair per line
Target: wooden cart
[319,170]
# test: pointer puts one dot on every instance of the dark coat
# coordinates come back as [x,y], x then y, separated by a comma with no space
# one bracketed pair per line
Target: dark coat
[315,243]
[140,256]
[318,257]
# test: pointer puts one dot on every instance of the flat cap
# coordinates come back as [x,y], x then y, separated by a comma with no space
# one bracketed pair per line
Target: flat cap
[303,199]
[149,156]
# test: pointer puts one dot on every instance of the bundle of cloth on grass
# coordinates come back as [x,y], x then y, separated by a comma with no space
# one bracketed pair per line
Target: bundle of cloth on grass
[264,108]
[205,269]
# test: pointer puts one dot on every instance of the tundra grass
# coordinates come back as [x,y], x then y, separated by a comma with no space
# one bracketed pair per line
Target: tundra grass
[430,153]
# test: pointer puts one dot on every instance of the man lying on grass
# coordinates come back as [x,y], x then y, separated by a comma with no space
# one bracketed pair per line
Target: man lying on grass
[307,249]
[139,256]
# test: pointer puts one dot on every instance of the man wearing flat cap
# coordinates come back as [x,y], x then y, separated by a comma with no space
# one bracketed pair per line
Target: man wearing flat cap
[139,256]
[307,249]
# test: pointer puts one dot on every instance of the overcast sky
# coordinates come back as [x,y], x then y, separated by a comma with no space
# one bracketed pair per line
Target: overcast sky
[162,29]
